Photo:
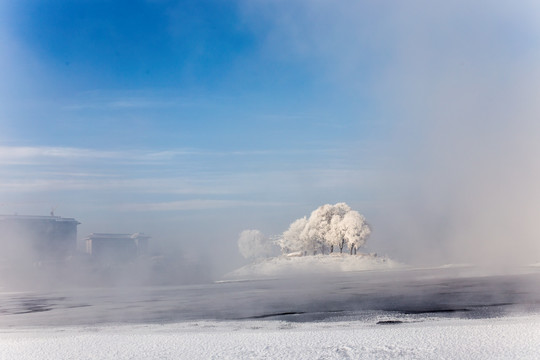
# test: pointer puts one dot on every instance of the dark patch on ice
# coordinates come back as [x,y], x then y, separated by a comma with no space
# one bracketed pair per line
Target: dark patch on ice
[483,308]
[300,316]
[33,310]
[32,307]
[389,322]
[29,305]
[495,305]
[264,316]
[77,306]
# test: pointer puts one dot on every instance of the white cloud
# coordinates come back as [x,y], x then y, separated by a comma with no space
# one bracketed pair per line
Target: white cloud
[11,155]
[27,155]
[101,183]
[197,204]
[128,103]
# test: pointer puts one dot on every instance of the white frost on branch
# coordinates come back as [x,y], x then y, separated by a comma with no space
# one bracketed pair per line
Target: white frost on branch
[329,227]
[354,230]
[292,239]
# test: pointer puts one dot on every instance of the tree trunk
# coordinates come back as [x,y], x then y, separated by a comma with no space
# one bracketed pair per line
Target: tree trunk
[352,247]
[355,251]
[331,249]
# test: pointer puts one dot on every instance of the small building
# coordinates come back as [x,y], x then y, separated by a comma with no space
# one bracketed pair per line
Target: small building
[28,237]
[116,247]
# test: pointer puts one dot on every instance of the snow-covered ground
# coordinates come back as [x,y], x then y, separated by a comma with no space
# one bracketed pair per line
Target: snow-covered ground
[286,265]
[514,337]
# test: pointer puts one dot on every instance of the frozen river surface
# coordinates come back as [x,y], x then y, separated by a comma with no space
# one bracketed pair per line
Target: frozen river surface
[429,314]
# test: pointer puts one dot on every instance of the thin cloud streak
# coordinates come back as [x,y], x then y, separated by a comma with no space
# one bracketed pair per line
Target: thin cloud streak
[129,103]
[155,186]
[197,204]
[28,155]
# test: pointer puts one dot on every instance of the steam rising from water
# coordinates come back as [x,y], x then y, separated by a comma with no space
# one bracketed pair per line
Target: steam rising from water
[459,84]
[468,150]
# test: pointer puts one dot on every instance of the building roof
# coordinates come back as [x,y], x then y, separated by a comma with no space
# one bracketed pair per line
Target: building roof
[37,217]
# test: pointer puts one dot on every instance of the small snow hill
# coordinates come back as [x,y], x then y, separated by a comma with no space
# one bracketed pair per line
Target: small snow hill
[285,265]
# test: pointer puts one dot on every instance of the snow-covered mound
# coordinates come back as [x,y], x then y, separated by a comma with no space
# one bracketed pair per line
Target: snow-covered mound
[284,266]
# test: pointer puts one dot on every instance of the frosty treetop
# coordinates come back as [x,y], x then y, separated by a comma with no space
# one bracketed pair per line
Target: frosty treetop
[328,228]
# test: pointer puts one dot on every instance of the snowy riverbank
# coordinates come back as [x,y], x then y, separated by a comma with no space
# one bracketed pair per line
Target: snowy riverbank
[333,263]
[515,337]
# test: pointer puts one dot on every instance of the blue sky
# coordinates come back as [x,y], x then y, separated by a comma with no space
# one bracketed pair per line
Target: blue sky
[194,120]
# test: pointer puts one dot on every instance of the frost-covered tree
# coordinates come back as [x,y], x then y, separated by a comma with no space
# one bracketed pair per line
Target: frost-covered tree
[253,244]
[329,226]
[354,230]
[321,227]
[292,239]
